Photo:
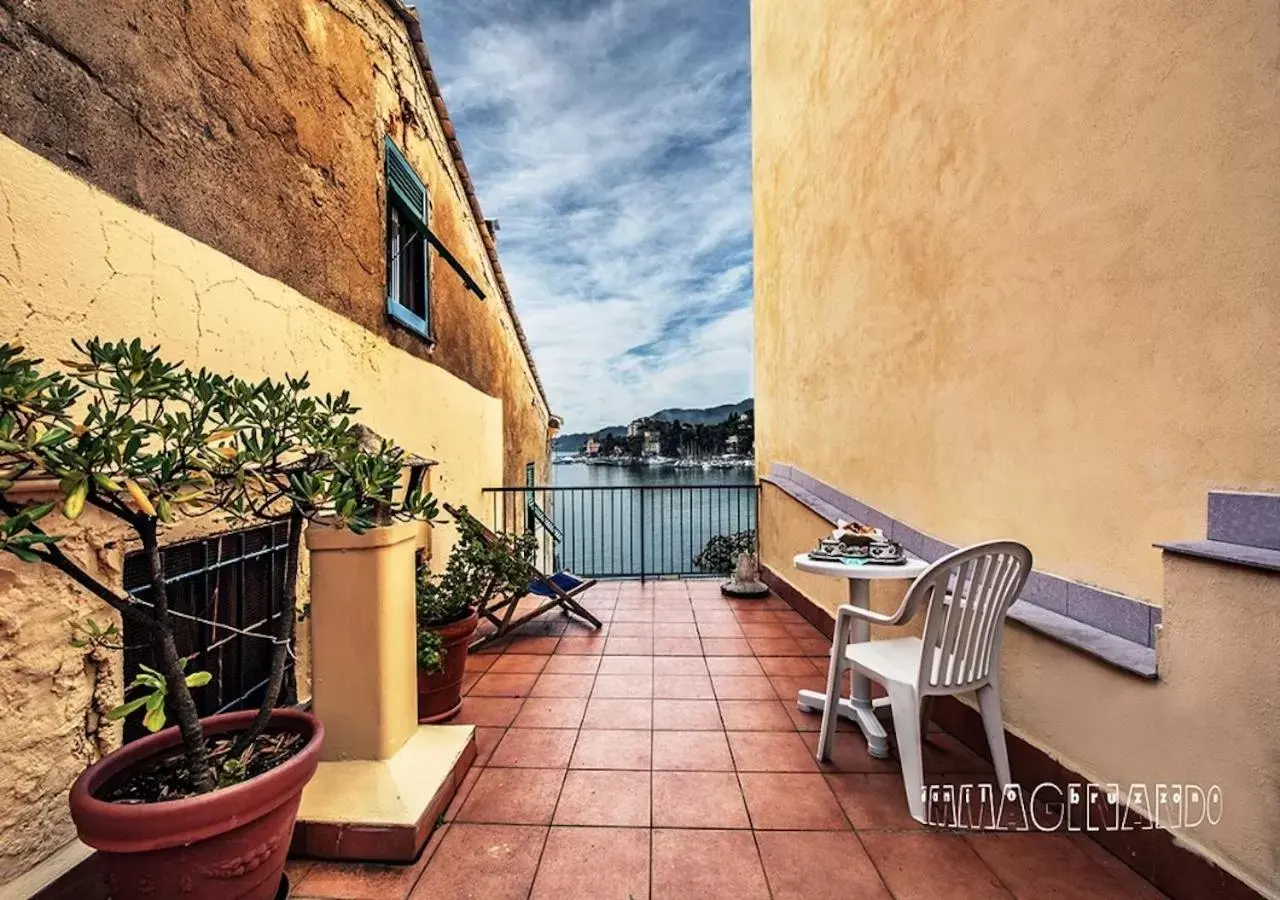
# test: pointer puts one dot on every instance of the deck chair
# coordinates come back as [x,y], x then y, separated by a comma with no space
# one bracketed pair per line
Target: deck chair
[560,591]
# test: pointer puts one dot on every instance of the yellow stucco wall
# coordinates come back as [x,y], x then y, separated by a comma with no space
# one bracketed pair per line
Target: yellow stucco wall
[76,263]
[1015,265]
[1015,276]
[1212,719]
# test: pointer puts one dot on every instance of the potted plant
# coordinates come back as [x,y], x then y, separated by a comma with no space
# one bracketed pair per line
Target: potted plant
[734,555]
[720,553]
[205,808]
[478,570]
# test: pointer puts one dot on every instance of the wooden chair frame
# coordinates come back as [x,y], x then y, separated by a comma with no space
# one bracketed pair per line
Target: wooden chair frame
[501,610]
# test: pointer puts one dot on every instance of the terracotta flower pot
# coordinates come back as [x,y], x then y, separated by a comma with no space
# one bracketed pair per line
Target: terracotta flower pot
[228,844]
[440,693]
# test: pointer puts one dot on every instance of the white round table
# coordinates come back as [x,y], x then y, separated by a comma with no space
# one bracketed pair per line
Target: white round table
[858,708]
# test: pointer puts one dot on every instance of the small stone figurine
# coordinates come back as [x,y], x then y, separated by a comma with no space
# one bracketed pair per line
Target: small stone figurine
[746,579]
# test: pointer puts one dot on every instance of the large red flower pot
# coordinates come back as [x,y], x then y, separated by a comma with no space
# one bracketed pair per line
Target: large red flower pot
[227,844]
[440,693]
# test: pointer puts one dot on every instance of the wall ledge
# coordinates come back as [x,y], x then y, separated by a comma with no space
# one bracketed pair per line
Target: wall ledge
[1243,530]
[1221,551]
[68,864]
[1113,628]
[1247,518]
[1116,651]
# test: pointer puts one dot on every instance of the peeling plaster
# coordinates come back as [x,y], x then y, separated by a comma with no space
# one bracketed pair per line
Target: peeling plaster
[269,187]
[253,148]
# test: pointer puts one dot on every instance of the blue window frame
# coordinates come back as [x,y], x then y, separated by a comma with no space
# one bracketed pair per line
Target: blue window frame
[408,256]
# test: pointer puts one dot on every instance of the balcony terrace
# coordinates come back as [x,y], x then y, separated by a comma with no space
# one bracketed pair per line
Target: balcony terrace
[665,757]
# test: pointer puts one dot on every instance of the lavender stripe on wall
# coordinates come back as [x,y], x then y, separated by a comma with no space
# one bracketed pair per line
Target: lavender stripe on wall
[1248,519]
[1116,614]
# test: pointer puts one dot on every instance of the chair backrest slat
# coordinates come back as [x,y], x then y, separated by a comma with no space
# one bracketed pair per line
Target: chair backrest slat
[972,614]
[1014,570]
[968,593]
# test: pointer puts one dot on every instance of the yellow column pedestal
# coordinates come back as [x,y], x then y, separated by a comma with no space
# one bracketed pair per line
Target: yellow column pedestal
[364,683]
[384,810]
[383,780]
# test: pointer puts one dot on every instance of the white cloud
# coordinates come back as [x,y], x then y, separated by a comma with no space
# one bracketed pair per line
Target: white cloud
[611,140]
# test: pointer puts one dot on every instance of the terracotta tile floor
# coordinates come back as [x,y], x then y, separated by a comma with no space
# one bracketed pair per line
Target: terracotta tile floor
[665,758]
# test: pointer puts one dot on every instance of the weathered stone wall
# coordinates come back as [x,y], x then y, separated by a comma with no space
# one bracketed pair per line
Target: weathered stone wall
[256,128]
[88,264]
[253,130]
[54,696]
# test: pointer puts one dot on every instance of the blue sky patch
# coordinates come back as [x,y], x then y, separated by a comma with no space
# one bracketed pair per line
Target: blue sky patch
[611,139]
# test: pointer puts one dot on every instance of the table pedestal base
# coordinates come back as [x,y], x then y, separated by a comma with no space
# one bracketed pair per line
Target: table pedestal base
[859,712]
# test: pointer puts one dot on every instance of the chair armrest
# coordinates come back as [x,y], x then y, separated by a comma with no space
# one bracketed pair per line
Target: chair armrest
[903,614]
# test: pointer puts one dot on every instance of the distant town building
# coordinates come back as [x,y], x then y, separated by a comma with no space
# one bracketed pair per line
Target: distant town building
[593,447]
[635,427]
[652,444]
[731,444]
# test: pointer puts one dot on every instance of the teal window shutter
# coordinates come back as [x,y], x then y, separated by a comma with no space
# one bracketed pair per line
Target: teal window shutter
[405,185]
[408,256]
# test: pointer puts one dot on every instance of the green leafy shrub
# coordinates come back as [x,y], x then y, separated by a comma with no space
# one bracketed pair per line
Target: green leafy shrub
[477,571]
[152,689]
[720,554]
[430,651]
[146,442]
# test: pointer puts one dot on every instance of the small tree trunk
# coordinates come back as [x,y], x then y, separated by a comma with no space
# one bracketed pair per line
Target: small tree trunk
[287,626]
[289,693]
[283,635]
[179,695]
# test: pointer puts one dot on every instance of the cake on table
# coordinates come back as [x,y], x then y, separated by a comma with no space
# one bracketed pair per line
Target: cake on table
[855,543]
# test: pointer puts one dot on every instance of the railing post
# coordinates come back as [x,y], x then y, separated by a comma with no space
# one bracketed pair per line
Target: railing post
[642,566]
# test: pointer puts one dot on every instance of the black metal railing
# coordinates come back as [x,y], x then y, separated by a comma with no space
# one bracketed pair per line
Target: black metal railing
[630,531]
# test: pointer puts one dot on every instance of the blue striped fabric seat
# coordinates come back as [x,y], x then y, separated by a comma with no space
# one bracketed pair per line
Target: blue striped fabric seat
[566,581]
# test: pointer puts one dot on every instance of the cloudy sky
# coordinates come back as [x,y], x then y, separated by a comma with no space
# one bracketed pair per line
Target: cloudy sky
[610,138]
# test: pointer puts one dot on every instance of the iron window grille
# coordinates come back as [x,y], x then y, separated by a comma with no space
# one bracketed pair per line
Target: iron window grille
[234,579]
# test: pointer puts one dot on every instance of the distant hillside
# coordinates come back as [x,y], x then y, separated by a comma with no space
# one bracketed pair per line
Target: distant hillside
[710,416]
[573,442]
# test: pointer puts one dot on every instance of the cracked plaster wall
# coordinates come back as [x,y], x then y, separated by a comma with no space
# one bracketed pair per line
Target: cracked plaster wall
[252,130]
[256,128]
[90,265]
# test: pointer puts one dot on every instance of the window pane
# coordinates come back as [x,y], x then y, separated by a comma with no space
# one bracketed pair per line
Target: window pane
[412,287]
[407,256]
[394,290]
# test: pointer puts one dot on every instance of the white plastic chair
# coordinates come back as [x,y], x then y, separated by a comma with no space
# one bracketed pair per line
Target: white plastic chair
[968,594]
